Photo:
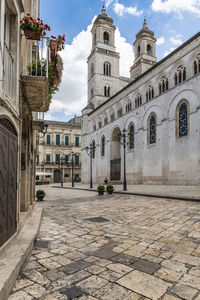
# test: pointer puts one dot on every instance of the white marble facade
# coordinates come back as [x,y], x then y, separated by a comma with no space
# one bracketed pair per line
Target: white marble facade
[169,90]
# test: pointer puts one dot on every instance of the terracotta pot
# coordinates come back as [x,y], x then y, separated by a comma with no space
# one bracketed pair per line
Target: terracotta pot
[32,35]
[53,46]
[101,192]
[110,191]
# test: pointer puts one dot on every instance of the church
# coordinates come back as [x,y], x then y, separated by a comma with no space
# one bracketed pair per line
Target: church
[158,109]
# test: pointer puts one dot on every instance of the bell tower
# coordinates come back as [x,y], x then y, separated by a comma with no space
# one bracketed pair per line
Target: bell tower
[103,61]
[145,51]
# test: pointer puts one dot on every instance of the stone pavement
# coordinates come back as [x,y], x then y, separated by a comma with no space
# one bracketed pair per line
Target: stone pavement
[161,191]
[113,247]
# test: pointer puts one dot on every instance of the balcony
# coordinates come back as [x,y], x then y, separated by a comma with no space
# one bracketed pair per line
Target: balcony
[34,77]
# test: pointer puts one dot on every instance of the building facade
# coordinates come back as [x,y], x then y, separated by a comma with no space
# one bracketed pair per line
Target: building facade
[61,143]
[18,114]
[159,109]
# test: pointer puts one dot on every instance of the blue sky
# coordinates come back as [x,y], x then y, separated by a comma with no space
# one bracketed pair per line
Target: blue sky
[173,21]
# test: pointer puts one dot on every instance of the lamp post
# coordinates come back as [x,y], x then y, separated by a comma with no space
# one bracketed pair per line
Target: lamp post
[61,162]
[72,154]
[124,144]
[89,149]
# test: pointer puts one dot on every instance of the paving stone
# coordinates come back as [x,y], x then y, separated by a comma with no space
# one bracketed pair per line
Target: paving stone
[187,259]
[134,296]
[175,266]
[32,265]
[72,292]
[133,253]
[91,284]
[145,266]
[195,271]
[42,255]
[190,280]
[144,284]
[74,267]
[124,259]
[119,268]
[75,255]
[57,296]
[95,269]
[168,275]
[198,297]
[54,274]
[102,262]
[110,276]
[36,276]
[36,290]
[49,263]
[111,291]
[62,260]
[185,292]
[87,298]
[170,297]
[20,295]
[154,259]
[22,283]
[104,253]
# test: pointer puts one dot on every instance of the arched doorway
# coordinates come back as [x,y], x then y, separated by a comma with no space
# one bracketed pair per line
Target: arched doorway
[8,179]
[57,176]
[115,155]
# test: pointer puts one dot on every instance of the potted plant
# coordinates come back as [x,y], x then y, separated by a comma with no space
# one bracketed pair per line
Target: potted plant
[40,195]
[56,44]
[33,28]
[109,189]
[101,189]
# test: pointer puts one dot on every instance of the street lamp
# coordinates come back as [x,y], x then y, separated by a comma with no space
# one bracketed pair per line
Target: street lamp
[72,154]
[89,149]
[44,131]
[124,143]
[61,162]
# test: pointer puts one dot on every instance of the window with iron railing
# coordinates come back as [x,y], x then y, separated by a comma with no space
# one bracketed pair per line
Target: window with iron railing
[48,139]
[57,158]
[77,141]
[57,140]
[48,158]
[66,140]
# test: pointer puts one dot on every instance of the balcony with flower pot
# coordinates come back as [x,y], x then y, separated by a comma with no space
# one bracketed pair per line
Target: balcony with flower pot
[42,73]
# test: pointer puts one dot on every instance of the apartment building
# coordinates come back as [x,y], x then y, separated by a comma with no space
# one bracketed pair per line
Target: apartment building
[58,150]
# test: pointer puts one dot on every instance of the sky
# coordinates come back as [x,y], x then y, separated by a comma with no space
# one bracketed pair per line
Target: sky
[173,22]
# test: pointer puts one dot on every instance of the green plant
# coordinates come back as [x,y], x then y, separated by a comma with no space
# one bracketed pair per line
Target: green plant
[40,193]
[101,188]
[54,73]
[109,187]
[36,25]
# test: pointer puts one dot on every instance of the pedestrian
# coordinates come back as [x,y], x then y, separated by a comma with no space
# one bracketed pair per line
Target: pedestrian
[105,180]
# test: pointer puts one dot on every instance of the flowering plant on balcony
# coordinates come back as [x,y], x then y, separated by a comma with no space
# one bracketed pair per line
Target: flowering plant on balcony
[37,26]
[60,42]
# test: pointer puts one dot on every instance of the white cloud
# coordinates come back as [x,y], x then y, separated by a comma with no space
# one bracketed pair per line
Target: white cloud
[109,2]
[176,41]
[169,51]
[160,40]
[177,6]
[72,96]
[121,10]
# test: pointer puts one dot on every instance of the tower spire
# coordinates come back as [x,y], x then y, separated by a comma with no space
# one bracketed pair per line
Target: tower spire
[103,11]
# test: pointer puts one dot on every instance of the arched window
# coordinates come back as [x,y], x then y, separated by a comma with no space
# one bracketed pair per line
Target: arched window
[152,129]
[163,85]
[131,136]
[160,89]
[103,146]
[138,100]
[92,69]
[195,67]
[106,91]
[93,149]
[92,92]
[107,69]
[149,49]
[183,120]
[106,37]
[138,50]
[149,93]
[175,79]
[180,75]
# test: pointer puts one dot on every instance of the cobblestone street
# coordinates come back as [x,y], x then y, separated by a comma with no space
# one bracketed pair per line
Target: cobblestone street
[113,247]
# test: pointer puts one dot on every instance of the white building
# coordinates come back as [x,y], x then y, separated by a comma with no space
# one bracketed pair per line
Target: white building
[159,108]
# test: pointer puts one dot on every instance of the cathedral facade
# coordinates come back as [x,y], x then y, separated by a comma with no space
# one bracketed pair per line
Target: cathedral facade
[158,108]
